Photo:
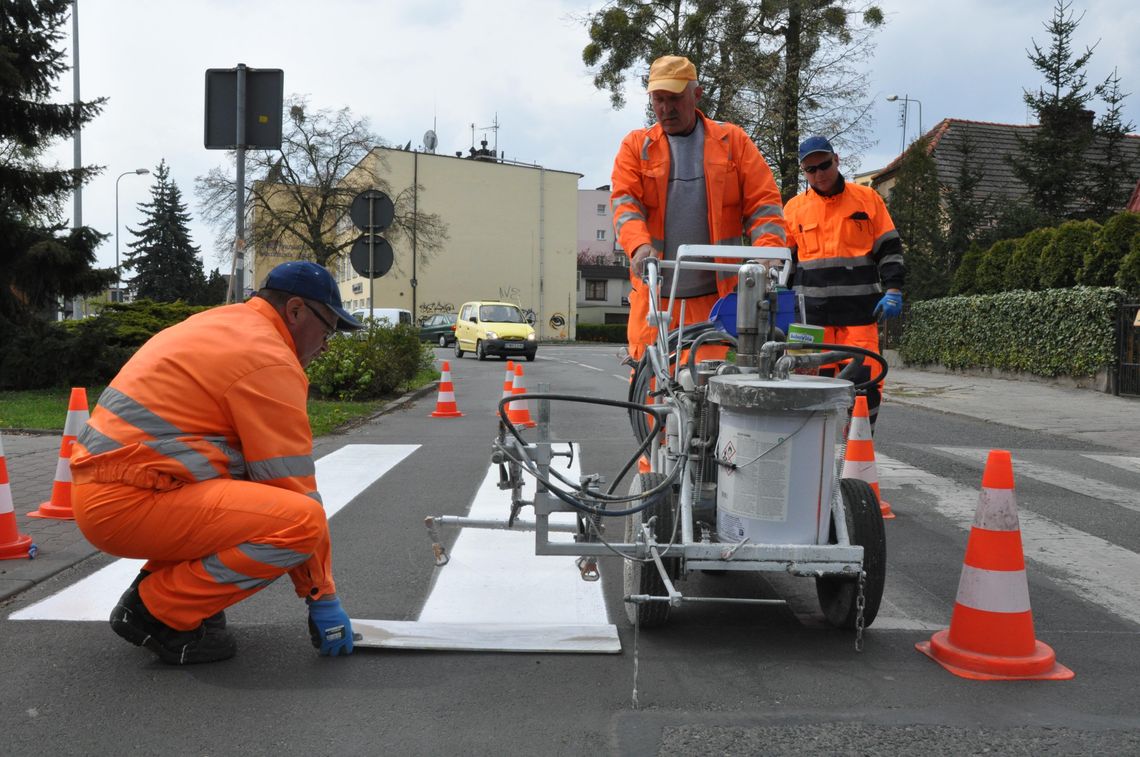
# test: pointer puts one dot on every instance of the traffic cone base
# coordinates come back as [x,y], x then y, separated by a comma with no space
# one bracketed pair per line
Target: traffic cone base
[445,406]
[991,635]
[13,544]
[1040,665]
[859,460]
[59,506]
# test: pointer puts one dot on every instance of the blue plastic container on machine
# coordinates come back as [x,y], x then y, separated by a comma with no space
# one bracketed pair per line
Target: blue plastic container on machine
[724,311]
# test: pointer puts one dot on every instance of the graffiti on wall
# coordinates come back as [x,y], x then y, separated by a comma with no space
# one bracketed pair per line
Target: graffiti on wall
[431,308]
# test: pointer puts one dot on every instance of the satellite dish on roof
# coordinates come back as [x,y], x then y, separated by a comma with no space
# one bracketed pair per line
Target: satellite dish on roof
[430,140]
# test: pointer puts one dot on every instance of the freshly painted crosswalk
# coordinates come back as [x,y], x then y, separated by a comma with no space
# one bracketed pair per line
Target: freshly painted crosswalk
[341,476]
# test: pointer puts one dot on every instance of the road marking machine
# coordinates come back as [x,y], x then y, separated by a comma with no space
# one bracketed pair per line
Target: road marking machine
[744,461]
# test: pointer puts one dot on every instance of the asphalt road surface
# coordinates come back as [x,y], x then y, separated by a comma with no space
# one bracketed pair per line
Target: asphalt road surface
[717,679]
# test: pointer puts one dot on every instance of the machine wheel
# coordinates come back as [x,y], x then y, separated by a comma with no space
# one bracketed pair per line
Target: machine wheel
[442,340]
[479,353]
[865,527]
[458,351]
[641,577]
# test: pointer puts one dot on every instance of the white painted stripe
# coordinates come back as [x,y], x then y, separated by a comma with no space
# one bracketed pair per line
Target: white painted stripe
[993,590]
[495,577]
[1094,569]
[623,379]
[1125,463]
[1089,487]
[341,476]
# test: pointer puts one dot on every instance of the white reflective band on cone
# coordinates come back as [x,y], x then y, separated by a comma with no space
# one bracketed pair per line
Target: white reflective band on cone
[997,510]
[63,470]
[862,470]
[993,590]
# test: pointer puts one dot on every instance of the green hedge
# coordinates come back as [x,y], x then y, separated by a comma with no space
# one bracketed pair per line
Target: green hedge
[602,332]
[371,363]
[1055,332]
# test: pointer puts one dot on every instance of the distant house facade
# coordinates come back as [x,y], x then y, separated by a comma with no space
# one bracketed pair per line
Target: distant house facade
[603,267]
[983,147]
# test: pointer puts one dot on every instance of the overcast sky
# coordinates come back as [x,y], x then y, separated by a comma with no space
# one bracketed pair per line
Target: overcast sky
[412,65]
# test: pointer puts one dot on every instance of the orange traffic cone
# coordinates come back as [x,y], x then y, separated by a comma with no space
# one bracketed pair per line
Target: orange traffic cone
[509,380]
[518,412]
[859,462]
[59,506]
[13,544]
[991,630]
[445,406]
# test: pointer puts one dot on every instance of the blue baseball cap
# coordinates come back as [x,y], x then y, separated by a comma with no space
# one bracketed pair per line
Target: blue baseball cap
[313,282]
[814,144]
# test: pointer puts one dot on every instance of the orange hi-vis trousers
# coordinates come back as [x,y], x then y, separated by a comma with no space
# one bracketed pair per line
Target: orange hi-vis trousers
[208,545]
[867,337]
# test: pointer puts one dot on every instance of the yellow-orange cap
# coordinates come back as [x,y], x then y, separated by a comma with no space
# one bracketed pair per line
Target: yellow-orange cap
[671,73]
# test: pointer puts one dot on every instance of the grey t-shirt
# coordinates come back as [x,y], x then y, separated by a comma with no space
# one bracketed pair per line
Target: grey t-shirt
[687,210]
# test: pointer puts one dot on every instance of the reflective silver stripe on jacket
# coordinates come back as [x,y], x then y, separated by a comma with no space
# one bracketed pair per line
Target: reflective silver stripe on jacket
[776,229]
[624,218]
[282,467]
[764,211]
[817,264]
[841,290]
[645,148]
[884,237]
[96,441]
[620,200]
[165,435]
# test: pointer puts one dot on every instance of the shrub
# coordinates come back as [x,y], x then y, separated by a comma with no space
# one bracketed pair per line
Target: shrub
[370,363]
[989,278]
[1109,249]
[1023,271]
[1055,332]
[1128,277]
[602,332]
[1063,257]
[964,276]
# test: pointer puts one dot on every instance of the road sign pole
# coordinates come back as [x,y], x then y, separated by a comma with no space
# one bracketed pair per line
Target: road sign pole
[371,250]
[237,270]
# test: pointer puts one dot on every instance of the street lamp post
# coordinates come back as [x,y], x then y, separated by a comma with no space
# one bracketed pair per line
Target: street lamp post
[907,100]
[118,271]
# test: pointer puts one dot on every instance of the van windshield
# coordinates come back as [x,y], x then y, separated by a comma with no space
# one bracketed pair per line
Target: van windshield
[500,314]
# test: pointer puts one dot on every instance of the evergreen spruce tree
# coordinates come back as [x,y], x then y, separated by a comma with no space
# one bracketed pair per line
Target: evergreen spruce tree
[165,261]
[916,208]
[1112,168]
[1052,163]
[41,259]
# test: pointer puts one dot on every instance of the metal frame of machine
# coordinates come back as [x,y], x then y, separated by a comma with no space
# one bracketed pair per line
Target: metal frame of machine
[666,511]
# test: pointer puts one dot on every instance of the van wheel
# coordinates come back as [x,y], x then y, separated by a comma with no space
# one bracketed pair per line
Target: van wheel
[458,351]
[479,353]
[442,340]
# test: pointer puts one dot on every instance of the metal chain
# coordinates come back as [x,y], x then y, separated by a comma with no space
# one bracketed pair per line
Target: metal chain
[860,603]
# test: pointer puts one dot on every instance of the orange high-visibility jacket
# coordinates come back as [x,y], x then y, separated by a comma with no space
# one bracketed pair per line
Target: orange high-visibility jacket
[743,199]
[846,251]
[220,395]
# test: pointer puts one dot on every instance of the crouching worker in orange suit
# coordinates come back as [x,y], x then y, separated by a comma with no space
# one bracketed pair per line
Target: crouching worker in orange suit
[199,458]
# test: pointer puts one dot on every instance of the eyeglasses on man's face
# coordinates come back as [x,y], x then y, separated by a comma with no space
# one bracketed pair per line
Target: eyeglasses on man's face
[819,166]
[330,328]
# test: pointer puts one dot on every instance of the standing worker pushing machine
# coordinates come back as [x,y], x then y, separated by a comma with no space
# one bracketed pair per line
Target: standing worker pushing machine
[714,182]
[198,458]
[846,252]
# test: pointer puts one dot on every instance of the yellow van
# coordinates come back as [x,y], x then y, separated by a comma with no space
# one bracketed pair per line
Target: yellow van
[487,328]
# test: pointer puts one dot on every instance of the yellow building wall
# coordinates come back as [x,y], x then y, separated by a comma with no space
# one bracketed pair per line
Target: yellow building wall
[512,236]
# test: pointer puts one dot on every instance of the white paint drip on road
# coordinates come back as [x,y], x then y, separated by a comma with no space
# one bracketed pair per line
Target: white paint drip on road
[495,577]
[1089,487]
[341,476]
[1094,569]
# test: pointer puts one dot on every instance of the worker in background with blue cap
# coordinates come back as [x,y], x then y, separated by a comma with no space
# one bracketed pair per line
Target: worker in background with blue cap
[198,458]
[848,255]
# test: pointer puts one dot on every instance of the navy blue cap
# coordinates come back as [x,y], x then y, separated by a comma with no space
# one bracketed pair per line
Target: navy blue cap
[311,281]
[814,144]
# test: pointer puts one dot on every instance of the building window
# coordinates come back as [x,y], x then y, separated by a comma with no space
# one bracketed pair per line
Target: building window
[596,290]
[601,208]
[601,236]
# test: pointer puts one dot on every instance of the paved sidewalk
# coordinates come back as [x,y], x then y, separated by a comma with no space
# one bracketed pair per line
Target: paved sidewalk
[1076,413]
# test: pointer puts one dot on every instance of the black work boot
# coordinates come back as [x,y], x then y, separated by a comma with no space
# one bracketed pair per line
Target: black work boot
[131,620]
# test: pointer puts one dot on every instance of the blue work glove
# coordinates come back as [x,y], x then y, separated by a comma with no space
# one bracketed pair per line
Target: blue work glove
[889,307]
[329,627]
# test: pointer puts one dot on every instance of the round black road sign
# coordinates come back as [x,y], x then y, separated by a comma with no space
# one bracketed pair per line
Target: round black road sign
[382,211]
[381,256]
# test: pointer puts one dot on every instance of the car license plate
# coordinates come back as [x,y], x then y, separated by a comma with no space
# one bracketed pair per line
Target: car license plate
[514,345]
